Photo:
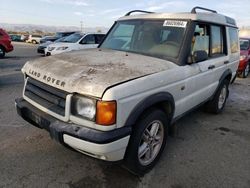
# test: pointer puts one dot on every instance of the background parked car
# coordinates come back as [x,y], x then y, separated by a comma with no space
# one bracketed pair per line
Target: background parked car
[15,37]
[5,43]
[46,39]
[244,66]
[57,36]
[35,39]
[76,41]
[42,46]
[24,38]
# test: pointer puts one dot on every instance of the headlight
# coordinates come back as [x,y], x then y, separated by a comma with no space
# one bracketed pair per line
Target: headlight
[62,48]
[83,107]
[242,57]
[51,48]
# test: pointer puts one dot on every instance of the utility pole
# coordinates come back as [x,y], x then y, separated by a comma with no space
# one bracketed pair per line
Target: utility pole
[81,22]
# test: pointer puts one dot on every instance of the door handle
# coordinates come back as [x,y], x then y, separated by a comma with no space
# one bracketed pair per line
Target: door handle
[211,67]
[226,62]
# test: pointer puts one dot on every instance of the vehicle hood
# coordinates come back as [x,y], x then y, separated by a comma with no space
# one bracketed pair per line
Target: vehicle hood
[91,71]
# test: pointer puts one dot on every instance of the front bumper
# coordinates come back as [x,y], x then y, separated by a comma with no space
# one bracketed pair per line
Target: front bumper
[105,145]
[40,50]
[9,48]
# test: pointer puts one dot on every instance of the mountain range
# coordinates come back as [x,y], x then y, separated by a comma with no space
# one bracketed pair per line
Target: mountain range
[48,29]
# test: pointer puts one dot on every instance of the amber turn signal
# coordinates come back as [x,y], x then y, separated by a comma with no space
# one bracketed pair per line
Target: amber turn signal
[106,112]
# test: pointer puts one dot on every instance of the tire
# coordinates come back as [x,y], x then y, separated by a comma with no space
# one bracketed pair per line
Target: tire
[2,52]
[142,139]
[34,42]
[245,72]
[217,104]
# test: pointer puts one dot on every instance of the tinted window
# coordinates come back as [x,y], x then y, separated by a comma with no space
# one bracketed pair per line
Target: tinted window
[244,44]
[233,35]
[89,39]
[73,38]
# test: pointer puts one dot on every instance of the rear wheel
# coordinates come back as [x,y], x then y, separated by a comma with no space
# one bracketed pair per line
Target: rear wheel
[245,72]
[2,52]
[217,104]
[34,42]
[147,142]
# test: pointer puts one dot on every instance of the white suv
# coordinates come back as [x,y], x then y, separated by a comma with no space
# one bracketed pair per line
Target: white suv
[118,101]
[76,41]
[35,39]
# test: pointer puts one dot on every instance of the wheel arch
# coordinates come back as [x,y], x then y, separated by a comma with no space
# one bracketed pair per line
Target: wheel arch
[226,75]
[163,101]
[2,46]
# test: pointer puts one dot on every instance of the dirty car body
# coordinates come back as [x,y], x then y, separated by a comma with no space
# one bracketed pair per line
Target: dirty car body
[146,67]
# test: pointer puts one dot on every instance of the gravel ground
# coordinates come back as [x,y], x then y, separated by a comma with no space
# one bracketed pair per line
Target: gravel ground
[208,150]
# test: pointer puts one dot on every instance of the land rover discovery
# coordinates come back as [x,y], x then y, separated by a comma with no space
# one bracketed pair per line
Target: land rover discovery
[118,101]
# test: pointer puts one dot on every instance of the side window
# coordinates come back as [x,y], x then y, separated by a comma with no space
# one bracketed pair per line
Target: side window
[233,36]
[89,39]
[209,38]
[200,40]
[216,40]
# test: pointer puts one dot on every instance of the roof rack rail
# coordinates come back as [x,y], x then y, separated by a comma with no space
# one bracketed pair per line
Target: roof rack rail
[201,8]
[143,11]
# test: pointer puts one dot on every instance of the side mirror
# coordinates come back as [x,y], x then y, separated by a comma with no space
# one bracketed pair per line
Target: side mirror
[199,56]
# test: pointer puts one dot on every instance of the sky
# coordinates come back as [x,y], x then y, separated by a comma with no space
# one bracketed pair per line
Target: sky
[103,13]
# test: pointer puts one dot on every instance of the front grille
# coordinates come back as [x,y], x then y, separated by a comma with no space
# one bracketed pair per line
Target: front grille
[49,97]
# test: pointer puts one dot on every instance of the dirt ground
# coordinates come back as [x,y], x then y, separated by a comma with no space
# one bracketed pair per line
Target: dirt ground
[208,151]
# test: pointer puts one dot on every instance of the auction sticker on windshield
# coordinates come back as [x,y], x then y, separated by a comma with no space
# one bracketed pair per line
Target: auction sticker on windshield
[175,23]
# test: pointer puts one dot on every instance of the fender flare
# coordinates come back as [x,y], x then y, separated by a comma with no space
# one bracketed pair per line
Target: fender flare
[224,75]
[222,78]
[149,102]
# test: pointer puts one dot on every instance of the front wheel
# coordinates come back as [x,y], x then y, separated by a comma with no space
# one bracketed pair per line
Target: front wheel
[246,71]
[2,52]
[147,142]
[217,104]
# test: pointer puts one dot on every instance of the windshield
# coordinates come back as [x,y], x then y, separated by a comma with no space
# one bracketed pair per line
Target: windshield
[60,39]
[73,38]
[58,35]
[244,44]
[160,38]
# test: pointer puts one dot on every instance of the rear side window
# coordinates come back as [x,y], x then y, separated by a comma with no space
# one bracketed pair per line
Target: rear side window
[234,40]
[217,40]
